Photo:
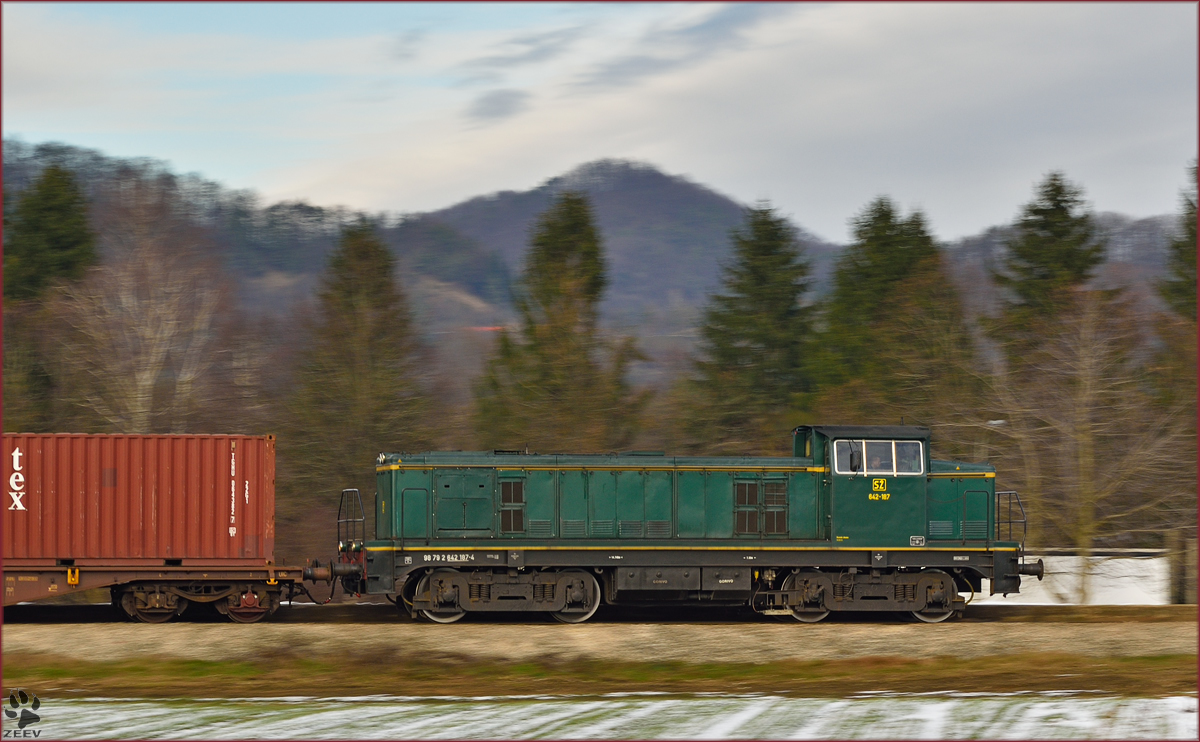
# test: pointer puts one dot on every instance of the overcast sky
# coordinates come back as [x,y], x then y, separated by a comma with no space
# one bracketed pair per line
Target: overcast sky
[955,109]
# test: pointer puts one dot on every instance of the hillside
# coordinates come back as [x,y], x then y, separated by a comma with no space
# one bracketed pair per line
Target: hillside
[666,239]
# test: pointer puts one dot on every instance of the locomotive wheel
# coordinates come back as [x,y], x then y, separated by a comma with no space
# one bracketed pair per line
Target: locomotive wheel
[937,616]
[589,585]
[439,616]
[803,616]
[932,617]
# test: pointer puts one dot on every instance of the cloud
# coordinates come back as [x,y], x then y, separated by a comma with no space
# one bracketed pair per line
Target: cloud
[406,44]
[498,104]
[955,107]
[666,48]
[529,49]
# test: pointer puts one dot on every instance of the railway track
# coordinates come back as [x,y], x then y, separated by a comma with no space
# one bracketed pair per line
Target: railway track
[386,613]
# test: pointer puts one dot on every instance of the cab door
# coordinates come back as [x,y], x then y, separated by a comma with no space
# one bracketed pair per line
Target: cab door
[878,493]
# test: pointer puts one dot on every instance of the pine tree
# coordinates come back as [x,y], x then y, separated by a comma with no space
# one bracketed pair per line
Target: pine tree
[356,391]
[886,251]
[47,237]
[753,342]
[557,384]
[1179,289]
[1055,248]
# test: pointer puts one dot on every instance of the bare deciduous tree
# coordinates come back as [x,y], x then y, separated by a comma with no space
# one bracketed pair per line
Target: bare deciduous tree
[1097,457]
[139,330]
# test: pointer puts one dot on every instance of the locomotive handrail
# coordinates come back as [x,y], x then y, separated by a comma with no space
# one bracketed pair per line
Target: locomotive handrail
[1005,526]
[351,529]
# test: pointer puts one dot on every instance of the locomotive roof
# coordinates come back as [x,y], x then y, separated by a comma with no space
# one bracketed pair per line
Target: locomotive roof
[870,431]
[626,459]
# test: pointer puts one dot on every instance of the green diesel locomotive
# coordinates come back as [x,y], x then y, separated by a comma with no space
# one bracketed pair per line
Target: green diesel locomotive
[859,518]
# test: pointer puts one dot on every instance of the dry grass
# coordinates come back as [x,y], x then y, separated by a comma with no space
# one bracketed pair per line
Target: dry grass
[1143,676]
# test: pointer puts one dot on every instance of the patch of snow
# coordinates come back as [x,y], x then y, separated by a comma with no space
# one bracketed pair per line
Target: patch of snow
[1111,581]
[868,716]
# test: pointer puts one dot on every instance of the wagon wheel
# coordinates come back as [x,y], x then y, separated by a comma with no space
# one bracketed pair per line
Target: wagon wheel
[799,615]
[937,616]
[590,588]
[147,614]
[439,616]
[249,607]
[156,615]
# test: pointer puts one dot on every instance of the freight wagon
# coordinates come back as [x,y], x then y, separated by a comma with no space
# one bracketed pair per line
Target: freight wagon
[162,520]
[859,518]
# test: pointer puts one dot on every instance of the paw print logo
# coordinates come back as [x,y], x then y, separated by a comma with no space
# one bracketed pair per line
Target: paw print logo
[22,705]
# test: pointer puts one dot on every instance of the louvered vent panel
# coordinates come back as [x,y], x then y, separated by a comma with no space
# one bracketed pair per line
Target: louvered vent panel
[975,529]
[602,528]
[574,529]
[541,528]
[658,529]
[631,529]
[941,529]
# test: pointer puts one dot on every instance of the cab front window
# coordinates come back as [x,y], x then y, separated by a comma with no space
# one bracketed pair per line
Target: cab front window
[879,457]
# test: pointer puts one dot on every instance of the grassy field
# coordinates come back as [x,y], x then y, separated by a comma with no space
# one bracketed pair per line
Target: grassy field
[359,675]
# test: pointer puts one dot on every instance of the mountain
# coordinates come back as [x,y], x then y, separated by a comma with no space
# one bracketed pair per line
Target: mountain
[664,236]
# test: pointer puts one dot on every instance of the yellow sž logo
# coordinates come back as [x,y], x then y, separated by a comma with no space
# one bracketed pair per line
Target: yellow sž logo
[878,485]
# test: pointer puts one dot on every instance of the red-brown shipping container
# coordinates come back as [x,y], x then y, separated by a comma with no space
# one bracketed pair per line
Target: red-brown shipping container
[171,503]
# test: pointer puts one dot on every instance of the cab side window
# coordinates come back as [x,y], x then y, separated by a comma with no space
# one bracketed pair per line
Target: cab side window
[908,457]
[848,457]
